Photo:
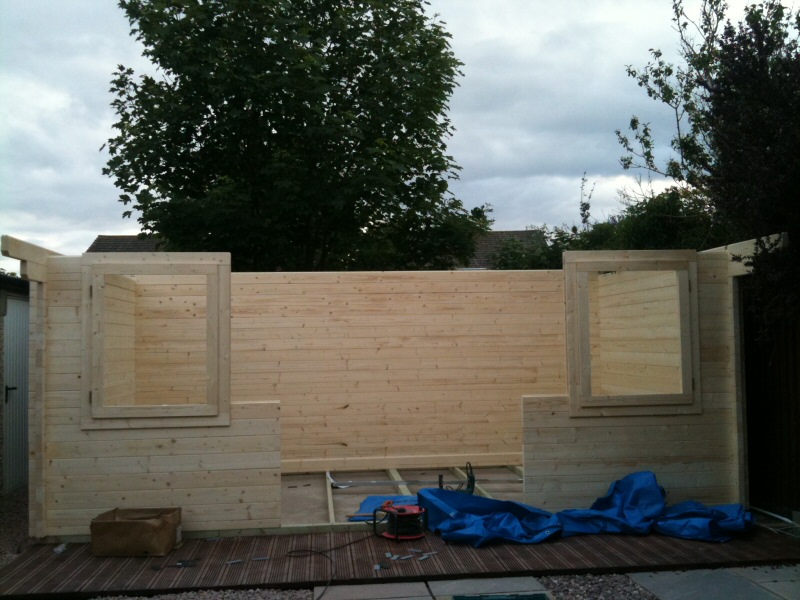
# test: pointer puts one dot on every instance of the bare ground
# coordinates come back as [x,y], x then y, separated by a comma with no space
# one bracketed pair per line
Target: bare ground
[13,525]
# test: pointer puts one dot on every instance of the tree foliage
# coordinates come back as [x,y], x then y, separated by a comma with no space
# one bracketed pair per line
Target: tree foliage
[736,146]
[296,134]
[537,251]
[672,219]
[735,152]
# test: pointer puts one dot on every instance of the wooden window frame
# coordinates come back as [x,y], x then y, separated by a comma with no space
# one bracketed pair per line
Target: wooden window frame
[577,267]
[215,410]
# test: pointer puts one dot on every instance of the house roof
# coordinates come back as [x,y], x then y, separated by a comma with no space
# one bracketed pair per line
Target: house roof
[123,243]
[486,246]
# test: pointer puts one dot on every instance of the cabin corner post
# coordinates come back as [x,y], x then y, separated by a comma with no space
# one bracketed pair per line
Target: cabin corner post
[742,472]
[34,268]
[36,411]
[33,258]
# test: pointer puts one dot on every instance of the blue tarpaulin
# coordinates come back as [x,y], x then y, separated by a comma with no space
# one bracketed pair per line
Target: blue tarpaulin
[370,503]
[633,505]
[475,520]
[694,521]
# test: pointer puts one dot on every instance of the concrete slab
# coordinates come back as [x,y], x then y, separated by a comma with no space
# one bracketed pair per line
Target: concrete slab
[786,590]
[702,584]
[770,573]
[782,580]
[488,585]
[376,591]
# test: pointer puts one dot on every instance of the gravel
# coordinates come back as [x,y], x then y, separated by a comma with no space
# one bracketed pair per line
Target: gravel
[14,540]
[595,587]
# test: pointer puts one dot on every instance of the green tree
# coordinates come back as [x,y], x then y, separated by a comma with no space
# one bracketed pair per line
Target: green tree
[736,147]
[536,251]
[674,218]
[296,134]
[753,116]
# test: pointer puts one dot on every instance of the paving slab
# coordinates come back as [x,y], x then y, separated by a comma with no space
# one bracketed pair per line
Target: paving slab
[376,591]
[704,584]
[781,580]
[487,585]
[788,590]
[770,573]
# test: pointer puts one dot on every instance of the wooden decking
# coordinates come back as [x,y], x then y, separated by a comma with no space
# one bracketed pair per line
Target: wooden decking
[287,561]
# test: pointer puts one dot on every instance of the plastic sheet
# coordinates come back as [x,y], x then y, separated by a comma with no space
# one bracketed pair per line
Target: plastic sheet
[695,521]
[633,505]
[475,520]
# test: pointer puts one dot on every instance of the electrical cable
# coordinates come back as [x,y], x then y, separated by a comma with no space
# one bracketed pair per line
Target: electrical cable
[402,525]
[773,515]
[305,552]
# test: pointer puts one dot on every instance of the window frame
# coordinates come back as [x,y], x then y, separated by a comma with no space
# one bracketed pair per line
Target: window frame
[215,410]
[577,267]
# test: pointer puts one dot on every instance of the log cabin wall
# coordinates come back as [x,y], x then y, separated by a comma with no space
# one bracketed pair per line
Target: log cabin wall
[402,369]
[570,460]
[367,370]
[177,303]
[119,324]
[225,478]
[636,341]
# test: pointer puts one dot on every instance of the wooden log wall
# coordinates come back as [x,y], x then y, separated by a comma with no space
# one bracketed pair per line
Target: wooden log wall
[224,478]
[33,267]
[636,335]
[370,370]
[119,326]
[570,461]
[171,339]
[411,369]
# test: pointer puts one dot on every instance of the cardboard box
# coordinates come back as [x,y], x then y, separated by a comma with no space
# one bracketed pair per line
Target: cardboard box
[136,531]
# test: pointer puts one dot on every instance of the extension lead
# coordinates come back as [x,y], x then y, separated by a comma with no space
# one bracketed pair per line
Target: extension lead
[401,522]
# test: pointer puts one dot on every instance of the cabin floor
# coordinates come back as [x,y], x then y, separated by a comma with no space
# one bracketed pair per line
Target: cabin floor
[325,499]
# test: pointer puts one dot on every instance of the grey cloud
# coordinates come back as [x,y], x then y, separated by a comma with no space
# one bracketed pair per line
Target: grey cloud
[544,87]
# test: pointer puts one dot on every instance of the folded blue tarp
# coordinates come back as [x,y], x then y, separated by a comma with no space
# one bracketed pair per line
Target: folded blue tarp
[694,521]
[634,504]
[475,520]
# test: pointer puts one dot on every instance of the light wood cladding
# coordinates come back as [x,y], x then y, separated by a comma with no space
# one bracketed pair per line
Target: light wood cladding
[635,334]
[569,461]
[158,339]
[224,478]
[346,371]
[33,259]
[410,369]
[171,342]
[119,331]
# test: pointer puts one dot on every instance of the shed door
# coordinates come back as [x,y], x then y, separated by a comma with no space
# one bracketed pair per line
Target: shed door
[15,401]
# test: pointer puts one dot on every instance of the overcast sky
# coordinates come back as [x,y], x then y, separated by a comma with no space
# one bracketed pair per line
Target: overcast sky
[543,90]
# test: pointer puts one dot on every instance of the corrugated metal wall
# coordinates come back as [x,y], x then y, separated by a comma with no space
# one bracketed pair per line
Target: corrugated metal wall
[15,400]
